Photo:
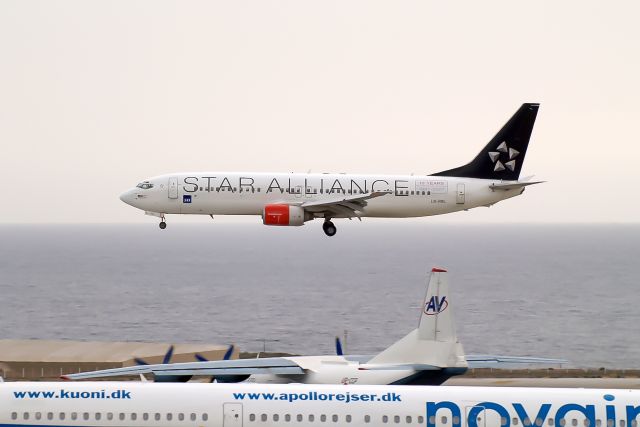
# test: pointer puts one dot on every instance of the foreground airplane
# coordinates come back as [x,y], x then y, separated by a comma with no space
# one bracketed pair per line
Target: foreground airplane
[247,405]
[430,354]
[294,198]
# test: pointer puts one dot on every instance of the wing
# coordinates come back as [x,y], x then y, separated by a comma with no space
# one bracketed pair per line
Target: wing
[492,361]
[271,365]
[343,207]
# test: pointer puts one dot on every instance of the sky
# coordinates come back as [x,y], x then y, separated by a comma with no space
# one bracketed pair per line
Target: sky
[97,95]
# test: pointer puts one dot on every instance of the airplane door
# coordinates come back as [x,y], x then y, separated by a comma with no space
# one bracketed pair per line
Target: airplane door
[173,188]
[232,415]
[484,418]
[478,410]
[460,194]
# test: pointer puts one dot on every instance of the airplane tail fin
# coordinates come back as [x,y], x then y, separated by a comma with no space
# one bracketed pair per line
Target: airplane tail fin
[434,342]
[503,156]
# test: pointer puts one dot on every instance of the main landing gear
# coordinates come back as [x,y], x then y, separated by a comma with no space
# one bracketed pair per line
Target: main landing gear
[163,224]
[329,228]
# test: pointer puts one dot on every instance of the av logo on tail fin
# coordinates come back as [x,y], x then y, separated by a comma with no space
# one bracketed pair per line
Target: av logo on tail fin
[435,305]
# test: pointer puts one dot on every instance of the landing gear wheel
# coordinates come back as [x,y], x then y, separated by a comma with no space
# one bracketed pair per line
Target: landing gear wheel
[163,225]
[329,228]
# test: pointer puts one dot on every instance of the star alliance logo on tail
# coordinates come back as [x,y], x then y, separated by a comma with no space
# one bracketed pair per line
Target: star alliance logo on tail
[435,305]
[510,152]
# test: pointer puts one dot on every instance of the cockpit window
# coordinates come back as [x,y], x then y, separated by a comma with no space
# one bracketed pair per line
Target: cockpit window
[145,185]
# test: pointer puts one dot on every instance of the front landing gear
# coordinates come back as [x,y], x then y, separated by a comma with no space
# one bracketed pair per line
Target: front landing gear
[329,228]
[163,224]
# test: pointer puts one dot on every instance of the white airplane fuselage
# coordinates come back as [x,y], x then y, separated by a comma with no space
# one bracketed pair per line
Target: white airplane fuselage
[256,405]
[222,193]
[291,199]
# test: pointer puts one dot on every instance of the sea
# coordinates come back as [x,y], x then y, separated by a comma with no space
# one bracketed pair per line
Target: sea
[561,291]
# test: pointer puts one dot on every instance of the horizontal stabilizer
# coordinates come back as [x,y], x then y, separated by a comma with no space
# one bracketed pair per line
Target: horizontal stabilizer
[512,185]
[476,361]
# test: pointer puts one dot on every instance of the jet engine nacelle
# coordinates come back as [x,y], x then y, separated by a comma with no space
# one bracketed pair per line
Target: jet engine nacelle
[283,215]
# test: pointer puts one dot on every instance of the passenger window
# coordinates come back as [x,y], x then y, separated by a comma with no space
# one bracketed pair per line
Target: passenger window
[38,415]
[98,415]
[276,417]
[252,417]
[610,423]
[456,420]
[121,416]
[181,416]
[527,422]
[443,420]
[334,418]
[134,416]
[192,416]
[539,421]
[145,416]
[263,417]
[598,423]
[14,415]
[586,422]
[562,422]
[385,419]
[514,421]
[287,417]
[408,419]
[25,415]
[432,419]
[367,418]
[74,415]
[85,416]
[323,418]
[622,423]
[574,422]
[311,417]
[170,416]
[299,417]
[157,416]
[49,415]
[200,188]
[634,423]
[109,416]
[550,422]
[205,416]
[62,415]
[396,419]
[503,421]
[420,419]
[348,418]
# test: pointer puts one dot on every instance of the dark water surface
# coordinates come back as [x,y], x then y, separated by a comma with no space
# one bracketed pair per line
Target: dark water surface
[545,290]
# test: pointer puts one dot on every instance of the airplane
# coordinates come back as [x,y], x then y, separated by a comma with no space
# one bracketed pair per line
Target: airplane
[112,404]
[291,199]
[428,355]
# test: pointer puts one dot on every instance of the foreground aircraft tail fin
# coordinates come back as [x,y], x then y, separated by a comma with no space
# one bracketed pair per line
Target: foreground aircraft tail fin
[503,156]
[434,342]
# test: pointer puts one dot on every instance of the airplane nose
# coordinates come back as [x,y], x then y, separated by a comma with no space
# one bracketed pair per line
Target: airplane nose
[127,197]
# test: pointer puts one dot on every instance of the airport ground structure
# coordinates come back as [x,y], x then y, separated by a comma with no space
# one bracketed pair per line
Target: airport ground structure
[46,360]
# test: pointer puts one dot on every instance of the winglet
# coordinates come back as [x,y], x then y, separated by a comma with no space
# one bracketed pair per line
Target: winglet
[438,270]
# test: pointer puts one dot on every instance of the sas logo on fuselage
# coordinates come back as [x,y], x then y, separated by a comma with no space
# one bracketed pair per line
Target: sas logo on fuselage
[186,198]
[435,305]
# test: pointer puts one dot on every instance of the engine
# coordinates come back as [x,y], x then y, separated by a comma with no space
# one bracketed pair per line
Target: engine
[283,215]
